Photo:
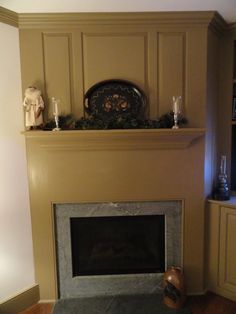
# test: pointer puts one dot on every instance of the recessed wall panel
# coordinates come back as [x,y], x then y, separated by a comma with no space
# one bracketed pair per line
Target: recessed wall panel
[57,70]
[227,270]
[171,69]
[108,56]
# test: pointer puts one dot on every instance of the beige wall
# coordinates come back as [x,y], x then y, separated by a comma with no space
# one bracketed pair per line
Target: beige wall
[16,256]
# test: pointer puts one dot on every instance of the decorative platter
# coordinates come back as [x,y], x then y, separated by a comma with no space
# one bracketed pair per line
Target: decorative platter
[114,98]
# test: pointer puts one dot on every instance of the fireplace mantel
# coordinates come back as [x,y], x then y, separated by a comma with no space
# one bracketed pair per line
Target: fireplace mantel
[94,166]
[117,139]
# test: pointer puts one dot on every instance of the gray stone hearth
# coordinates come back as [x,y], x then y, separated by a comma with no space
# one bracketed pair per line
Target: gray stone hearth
[96,285]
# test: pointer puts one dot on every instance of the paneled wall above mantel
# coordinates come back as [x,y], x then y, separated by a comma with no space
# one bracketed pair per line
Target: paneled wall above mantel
[165,54]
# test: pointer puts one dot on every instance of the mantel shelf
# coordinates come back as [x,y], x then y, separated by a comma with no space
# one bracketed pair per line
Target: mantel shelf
[116,139]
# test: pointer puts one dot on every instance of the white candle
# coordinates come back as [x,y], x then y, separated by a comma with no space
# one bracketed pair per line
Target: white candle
[223,164]
[55,108]
[176,104]
[176,107]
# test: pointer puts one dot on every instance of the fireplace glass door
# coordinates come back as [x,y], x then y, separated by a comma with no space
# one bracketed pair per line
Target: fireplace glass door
[117,245]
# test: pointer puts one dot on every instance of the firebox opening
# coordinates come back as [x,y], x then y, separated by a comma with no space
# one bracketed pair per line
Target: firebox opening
[117,245]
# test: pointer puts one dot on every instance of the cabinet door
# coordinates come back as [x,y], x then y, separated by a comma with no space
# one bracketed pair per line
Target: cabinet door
[227,265]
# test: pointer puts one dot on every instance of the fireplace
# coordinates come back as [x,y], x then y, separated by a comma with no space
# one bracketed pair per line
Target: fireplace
[115,248]
[78,174]
[117,245]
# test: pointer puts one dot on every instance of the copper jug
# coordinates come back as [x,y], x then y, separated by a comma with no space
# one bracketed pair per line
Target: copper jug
[174,287]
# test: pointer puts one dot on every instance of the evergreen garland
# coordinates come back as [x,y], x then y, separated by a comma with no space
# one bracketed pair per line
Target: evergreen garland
[68,122]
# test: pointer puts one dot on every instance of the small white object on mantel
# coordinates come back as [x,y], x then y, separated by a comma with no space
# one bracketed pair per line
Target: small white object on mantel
[34,105]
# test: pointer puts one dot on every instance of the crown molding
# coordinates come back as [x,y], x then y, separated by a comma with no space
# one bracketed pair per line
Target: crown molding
[59,20]
[8,17]
[170,19]
[232,27]
[218,25]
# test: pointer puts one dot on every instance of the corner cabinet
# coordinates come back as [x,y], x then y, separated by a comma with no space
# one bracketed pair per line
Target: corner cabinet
[221,248]
[233,141]
[227,102]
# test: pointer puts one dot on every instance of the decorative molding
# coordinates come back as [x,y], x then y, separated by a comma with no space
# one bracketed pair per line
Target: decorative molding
[21,301]
[218,25]
[223,292]
[227,227]
[167,43]
[67,79]
[232,27]
[8,17]
[115,139]
[230,203]
[46,301]
[60,20]
[85,36]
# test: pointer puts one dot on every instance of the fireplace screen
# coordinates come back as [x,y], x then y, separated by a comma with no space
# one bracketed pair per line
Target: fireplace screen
[118,245]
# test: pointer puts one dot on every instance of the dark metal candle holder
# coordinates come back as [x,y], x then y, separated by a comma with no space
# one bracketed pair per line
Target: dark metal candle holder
[221,192]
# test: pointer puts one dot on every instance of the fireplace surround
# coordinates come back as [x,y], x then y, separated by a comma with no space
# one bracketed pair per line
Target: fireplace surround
[115,166]
[70,285]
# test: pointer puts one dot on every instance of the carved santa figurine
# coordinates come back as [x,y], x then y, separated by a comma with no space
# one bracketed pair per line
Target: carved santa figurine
[34,106]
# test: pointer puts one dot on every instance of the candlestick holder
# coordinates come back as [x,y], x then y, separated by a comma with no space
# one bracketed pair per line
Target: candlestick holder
[221,192]
[57,123]
[55,113]
[177,110]
[175,126]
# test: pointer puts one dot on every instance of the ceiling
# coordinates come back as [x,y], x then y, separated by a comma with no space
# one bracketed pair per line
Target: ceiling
[227,8]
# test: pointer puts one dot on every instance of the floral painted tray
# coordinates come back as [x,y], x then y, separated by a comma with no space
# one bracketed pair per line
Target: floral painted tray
[114,98]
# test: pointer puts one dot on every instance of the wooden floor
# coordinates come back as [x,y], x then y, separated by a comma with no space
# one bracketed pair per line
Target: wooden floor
[207,304]
[39,309]
[211,304]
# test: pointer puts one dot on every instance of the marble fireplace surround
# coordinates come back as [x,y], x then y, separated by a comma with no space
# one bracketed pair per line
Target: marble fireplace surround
[69,286]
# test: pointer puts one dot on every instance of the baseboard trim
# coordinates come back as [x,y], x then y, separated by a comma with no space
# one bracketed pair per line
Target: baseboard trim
[47,301]
[223,293]
[20,301]
[203,292]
